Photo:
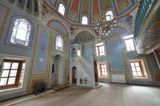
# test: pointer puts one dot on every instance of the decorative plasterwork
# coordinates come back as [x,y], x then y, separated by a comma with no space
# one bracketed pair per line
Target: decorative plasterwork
[82,30]
[73,13]
[58,26]
[84,37]
[93,9]
[50,15]
[122,6]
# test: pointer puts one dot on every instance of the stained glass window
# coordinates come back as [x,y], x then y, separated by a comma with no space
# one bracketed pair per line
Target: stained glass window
[21,32]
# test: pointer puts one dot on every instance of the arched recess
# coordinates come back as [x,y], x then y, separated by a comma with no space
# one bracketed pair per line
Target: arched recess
[58,69]
[84,37]
[74,75]
[58,27]
[84,29]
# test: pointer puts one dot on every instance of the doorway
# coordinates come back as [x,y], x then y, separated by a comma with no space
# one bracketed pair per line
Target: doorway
[74,77]
[58,73]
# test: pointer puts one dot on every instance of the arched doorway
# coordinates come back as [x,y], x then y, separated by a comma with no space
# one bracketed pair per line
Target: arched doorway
[74,75]
[58,73]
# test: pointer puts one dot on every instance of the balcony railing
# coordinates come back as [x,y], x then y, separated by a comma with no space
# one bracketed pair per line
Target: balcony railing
[145,6]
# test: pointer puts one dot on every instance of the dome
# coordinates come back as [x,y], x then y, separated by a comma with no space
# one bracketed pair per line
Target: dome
[75,10]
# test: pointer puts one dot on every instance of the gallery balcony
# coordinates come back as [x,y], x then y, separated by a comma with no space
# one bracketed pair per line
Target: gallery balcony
[147,26]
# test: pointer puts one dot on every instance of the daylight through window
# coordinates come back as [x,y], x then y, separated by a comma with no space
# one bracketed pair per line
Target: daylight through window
[109,16]
[61,9]
[129,43]
[100,49]
[12,73]
[59,43]
[103,70]
[138,69]
[21,32]
[84,20]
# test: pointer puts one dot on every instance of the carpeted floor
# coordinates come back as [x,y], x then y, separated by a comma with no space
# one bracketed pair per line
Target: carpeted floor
[106,95]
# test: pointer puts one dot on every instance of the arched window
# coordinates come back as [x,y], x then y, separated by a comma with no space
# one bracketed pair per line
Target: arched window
[109,16]
[84,20]
[61,9]
[21,32]
[59,43]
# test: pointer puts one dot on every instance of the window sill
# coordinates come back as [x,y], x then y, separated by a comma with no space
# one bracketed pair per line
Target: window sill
[10,89]
[142,78]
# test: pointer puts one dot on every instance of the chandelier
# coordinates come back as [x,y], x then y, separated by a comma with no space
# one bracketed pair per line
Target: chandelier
[105,24]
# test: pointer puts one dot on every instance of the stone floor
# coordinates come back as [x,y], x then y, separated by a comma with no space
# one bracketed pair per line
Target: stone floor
[106,95]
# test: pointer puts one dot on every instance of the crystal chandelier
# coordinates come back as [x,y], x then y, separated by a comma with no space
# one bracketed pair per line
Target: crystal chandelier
[105,24]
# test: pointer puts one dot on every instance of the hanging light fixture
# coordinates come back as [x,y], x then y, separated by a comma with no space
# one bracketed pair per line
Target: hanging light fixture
[105,24]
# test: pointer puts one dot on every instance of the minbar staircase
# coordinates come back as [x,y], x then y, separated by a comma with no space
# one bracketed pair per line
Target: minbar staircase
[85,72]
